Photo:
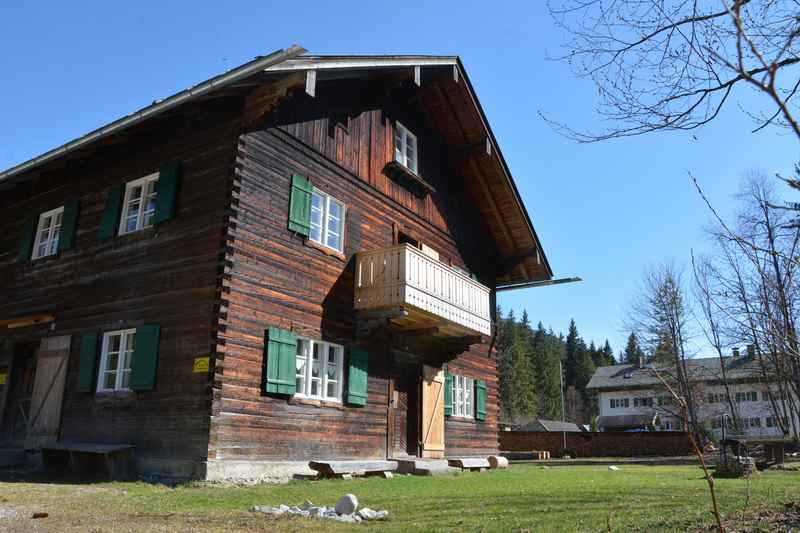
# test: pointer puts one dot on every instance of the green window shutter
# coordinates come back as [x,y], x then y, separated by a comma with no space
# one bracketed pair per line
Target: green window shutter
[300,205]
[69,225]
[357,377]
[27,237]
[448,394]
[167,186]
[281,353]
[480,399]
[87,362]
[110,221]
[145,357]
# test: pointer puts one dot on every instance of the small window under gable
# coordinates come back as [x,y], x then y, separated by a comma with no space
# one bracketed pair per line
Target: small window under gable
[405,147]
[47,233]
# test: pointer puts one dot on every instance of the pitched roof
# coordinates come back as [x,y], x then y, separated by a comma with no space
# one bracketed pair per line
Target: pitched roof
[615,377]
[540,424]
[454,105]
[623,422]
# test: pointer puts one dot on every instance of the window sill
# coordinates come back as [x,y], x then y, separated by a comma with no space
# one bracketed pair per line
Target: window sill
[326,250]
[400,172]
[119,394]
[298,400]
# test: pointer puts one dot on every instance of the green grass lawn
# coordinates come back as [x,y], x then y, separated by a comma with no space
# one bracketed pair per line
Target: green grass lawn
[525,497]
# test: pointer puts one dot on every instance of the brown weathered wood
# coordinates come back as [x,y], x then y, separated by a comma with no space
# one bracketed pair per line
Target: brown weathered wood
[226,267]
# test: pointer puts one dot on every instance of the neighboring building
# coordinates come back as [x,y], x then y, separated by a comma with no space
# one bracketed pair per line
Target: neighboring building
[540,424]
[632,397]
[294,260]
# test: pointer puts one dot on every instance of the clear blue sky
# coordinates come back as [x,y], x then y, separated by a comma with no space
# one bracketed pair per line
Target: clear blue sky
[604,212]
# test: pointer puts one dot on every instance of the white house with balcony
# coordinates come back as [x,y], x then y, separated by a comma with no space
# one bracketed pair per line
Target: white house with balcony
[633,397]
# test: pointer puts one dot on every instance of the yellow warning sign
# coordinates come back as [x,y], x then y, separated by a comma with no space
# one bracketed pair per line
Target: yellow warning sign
[201,365]
[3,378]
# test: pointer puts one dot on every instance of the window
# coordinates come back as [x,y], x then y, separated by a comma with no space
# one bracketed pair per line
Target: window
[717,397]
[405,147]
[666,400]
[667,425]
[772,422]
[318,370]
[115,362]
[327,220]
[462,396]
[47,233]
[620,403]
[754,422]
[139,204]
[643,402]
[749,396]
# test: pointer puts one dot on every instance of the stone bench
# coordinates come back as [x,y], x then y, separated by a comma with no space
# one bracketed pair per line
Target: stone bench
[116,461]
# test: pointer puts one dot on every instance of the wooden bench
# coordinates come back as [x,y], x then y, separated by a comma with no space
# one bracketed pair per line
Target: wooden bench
[348,469]
[479,464]
[116,461]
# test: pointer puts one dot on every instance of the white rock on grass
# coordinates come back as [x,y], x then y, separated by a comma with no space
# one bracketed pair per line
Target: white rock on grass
[347,504]
[8,513]
[368,514]
[613,468]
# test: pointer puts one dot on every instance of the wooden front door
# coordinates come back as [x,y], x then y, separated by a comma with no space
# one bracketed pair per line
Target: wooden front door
[432,392]
[48,392]
[402,440]
[16,392]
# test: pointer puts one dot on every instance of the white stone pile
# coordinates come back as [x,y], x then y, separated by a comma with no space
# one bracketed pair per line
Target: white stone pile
[346,510]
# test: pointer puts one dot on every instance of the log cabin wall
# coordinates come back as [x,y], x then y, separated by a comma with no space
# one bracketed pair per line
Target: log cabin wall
[165,275]
[341,140]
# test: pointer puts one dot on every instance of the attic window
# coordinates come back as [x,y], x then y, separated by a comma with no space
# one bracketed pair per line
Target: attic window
[405,147]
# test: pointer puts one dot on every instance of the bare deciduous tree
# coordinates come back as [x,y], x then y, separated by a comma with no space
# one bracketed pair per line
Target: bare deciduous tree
[674,64]
[753,288]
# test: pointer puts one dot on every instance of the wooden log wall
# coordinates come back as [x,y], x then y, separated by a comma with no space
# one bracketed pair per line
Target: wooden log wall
[166,275]
[273,278]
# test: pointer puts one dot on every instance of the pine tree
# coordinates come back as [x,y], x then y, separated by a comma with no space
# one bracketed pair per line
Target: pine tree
[505,363]
[584,367]
[632,351]
[548,350]
[524,396]
[664,353]
[596,354]
[570,354]
[608,354]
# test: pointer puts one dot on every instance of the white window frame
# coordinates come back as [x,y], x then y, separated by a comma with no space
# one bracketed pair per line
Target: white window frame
[746,396]
[120,370]
[305,349]
[126,211]
[620,403]
[325,226]
[53,233]
[463,396]
[403,138]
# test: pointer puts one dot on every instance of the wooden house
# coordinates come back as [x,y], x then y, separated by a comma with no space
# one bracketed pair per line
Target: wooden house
[294,260]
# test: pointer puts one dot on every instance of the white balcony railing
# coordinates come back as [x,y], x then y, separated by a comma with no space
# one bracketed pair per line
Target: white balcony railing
[404,276]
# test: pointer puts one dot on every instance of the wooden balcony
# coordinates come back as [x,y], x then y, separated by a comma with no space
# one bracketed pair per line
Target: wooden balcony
[427,295]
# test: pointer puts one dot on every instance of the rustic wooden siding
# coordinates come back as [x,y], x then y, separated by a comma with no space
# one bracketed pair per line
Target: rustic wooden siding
[274,279]
[165,276]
